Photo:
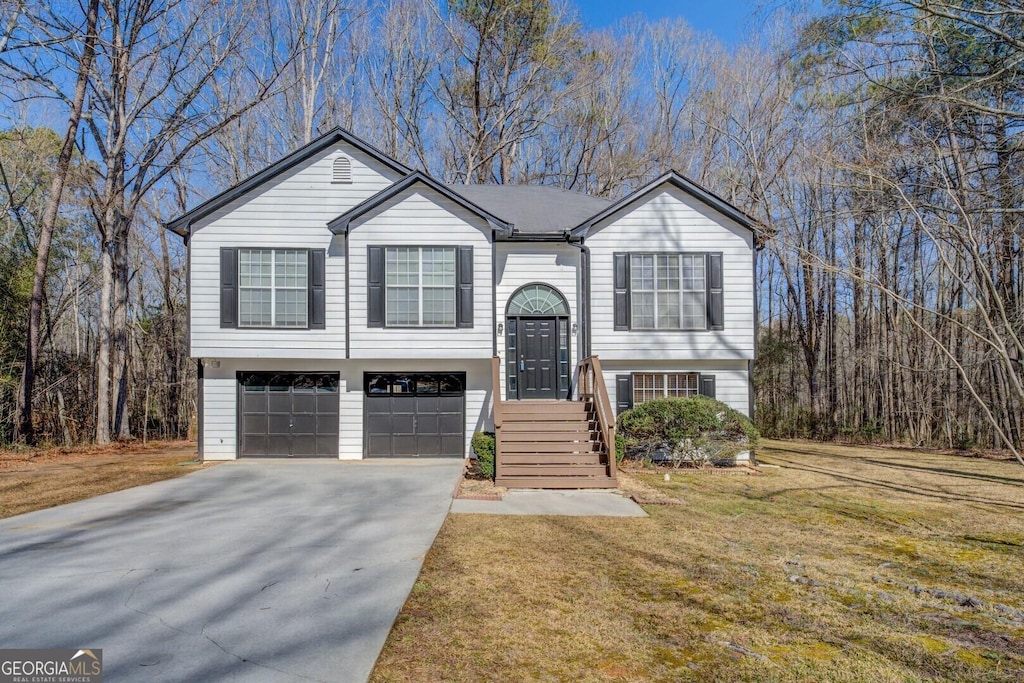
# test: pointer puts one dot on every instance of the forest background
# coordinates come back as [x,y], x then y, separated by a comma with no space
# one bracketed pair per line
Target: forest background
[879,144]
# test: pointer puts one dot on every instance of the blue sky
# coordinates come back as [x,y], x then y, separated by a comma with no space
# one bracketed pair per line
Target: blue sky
[724,18]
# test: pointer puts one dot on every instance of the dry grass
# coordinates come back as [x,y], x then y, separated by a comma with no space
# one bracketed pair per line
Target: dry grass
[814,571]
[36,479]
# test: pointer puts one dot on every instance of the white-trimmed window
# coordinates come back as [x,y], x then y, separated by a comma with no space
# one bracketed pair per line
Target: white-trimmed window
[420,284]
[668,291]
[648,386]
[273,287]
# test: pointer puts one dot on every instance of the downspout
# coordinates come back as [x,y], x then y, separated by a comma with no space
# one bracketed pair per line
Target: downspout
[584,314]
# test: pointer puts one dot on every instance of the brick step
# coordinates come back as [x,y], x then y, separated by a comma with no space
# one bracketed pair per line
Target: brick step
[540,482]
[544,459]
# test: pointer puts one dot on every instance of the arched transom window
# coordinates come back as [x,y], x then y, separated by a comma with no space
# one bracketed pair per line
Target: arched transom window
[537,300]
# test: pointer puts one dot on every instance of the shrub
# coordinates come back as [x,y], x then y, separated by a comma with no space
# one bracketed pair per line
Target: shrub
[483,447]
[695,430]
[620,447]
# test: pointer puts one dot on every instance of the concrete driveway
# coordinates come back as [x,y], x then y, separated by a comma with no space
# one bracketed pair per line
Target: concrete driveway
[248,571]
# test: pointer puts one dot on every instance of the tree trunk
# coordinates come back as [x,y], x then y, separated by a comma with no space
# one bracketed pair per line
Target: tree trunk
[23,420]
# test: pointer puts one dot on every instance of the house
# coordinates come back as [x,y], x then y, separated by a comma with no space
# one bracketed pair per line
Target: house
[343,305]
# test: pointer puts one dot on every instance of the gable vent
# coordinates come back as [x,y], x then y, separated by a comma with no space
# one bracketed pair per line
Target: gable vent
[342,172]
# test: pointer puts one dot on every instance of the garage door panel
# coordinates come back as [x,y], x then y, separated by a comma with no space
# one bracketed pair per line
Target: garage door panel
[404,423]
[278,402]
[452,444]
[279,444]
[427,424]
[450,423]
[304,403]
[326,425]
[326,403]
[451,404]
[303,445]
[279,424]
[254,424]
[404,444]
[253,402]
[303,424]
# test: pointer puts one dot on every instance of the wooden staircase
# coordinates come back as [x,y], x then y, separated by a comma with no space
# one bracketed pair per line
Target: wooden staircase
[554,444]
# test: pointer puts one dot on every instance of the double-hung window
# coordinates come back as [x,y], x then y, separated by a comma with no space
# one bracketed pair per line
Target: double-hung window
[273,287]
[649,386]
[420,285]
[668,291]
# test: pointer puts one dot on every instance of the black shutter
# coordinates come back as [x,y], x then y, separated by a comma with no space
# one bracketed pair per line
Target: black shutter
[464,291]
[621,301]
[317,289]
[707,386]
[228,287]
[716,303]
[623,393]
[375,286]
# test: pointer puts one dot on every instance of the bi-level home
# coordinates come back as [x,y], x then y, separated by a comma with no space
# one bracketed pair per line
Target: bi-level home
[343,305]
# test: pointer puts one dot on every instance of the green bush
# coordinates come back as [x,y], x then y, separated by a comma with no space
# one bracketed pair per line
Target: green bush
[688,429]
[620,447]
[483,446]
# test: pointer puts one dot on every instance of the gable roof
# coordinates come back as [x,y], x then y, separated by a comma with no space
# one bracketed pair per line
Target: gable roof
[182,224]
[681,182]
[341,224]
[534,209]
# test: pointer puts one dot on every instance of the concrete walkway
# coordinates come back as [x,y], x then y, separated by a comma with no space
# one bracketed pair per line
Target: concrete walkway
[248,571]
[564,503]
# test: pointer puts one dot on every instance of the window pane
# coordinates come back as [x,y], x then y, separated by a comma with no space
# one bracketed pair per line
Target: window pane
[681,385]
[668,310]
[668,272]
[439,306]
[647,387]
[290,266]
[693,272]
[290,308]
[403,306]
[694,310]
[254,267]
[254,308]
[642,272]
[403,267]
[643,310]
[439,267]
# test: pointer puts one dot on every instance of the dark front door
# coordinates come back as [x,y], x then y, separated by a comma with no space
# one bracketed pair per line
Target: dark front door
[538,357]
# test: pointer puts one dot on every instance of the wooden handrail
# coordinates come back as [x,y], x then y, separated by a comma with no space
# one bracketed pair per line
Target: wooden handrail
[496,413]
[591,385]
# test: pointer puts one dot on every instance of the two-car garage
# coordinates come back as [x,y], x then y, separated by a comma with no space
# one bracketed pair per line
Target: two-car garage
[297,414]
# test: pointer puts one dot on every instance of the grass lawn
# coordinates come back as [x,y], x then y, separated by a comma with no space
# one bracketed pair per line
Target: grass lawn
[42,478]
[843,564]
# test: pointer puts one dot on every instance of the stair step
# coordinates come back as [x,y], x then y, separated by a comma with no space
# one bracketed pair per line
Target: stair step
[557,426]
[553,470]
[548,437]
[520,482]
[550,459]
[585,446]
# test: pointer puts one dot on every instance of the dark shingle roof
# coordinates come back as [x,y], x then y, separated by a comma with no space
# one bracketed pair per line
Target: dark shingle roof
[534,209]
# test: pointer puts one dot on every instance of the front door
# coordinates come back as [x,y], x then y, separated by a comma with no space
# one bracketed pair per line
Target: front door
[538,358]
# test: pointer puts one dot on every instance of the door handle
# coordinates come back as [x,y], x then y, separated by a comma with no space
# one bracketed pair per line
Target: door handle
[522,366]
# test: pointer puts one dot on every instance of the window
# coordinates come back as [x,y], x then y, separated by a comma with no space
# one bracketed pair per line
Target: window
[649,386]
[420,284]
[668,291]
[273,287]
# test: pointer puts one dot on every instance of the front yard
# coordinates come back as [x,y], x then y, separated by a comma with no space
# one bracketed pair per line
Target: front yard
[34,479]
[842,564]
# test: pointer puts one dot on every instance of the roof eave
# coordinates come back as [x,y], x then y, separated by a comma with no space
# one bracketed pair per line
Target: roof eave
[182,225]
[676,180]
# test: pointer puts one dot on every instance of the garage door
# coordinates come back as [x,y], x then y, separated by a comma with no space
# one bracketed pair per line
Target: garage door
[288,414]
[415,414]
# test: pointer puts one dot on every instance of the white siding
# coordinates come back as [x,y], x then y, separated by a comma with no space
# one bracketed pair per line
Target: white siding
[671,220]
[556,265]
[291,210]
[731,384]
[421,217]
[220,395]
